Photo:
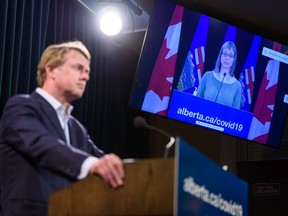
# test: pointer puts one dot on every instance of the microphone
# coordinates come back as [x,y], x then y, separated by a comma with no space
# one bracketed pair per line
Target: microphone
[140,122]
[220,87]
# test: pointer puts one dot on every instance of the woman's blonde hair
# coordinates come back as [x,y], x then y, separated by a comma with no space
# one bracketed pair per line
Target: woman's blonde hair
[227,45]
[54,56]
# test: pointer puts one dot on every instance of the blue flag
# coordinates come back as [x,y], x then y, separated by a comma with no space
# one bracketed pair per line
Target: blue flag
[194,65]
[230,34]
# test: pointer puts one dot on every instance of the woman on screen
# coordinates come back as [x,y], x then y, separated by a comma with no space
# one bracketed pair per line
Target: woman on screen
[220,85]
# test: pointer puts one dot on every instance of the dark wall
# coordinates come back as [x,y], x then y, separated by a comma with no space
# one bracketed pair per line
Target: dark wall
[267,17]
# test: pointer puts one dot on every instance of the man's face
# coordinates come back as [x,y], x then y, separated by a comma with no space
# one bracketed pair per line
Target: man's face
[71,77]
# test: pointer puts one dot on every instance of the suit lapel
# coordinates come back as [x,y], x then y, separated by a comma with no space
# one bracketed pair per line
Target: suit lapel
[50,114]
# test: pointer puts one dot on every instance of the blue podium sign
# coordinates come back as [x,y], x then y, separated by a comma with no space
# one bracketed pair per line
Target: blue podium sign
[198,111]
[203,188]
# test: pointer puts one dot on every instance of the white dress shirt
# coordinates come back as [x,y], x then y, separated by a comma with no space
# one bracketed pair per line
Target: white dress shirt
[63,116]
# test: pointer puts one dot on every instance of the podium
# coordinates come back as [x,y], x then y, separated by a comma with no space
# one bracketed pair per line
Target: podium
[148,190]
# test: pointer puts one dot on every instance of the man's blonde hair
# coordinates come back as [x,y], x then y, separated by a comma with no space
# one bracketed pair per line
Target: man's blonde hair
[54,56]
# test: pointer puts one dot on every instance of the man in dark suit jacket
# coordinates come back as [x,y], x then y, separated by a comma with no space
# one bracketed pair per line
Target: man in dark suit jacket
[42,147]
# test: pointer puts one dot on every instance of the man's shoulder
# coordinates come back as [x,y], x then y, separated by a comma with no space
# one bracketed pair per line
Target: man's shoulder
[23,99]
[20,97]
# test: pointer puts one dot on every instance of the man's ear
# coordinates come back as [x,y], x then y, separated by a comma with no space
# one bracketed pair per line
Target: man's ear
[49,70]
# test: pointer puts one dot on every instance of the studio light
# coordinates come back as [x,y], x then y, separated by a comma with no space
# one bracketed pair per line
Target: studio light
[110,21]
[117,18]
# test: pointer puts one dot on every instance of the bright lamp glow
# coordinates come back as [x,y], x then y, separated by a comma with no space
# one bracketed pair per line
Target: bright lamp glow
[109,21]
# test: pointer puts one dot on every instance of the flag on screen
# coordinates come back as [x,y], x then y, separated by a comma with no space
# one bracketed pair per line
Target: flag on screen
[263,110]
[194,64]
[230,34]
[247,76]
[159,89]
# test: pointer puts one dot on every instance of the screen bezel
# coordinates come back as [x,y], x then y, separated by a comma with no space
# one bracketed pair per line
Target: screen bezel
[148,53]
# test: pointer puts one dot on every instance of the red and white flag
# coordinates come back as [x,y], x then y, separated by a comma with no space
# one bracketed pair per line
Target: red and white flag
[159,89]
[264,107]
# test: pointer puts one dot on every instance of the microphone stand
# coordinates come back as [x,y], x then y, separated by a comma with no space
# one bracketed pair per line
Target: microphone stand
[140,122]
[169,144]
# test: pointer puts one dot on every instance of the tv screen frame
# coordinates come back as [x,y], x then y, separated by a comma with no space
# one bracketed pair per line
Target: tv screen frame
[173,34]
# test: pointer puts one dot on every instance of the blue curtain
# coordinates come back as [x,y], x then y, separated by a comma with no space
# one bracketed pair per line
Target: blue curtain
[22,38]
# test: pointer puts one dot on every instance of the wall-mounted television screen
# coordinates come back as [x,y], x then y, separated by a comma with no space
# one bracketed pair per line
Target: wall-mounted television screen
[200,70]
